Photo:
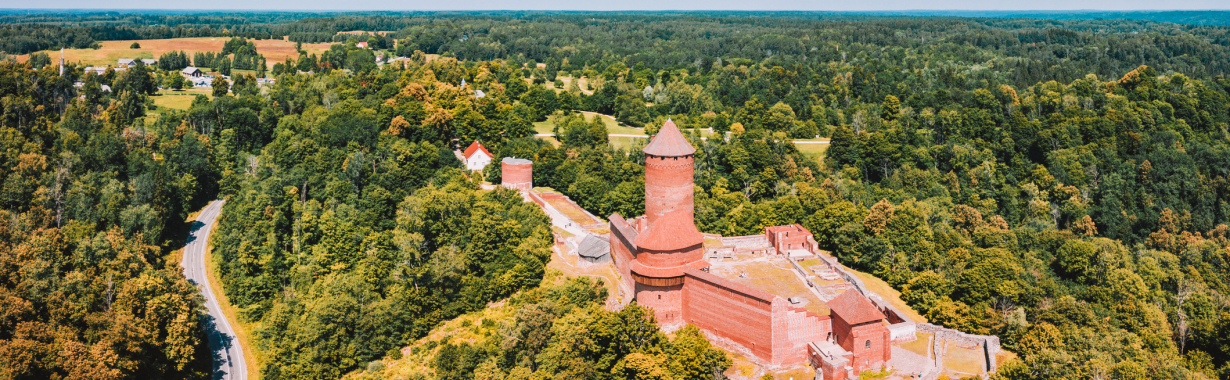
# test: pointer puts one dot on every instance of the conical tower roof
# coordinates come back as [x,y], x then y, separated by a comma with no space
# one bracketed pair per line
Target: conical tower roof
[669,142]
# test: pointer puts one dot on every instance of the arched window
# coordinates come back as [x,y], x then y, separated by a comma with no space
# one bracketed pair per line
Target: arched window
[867,345]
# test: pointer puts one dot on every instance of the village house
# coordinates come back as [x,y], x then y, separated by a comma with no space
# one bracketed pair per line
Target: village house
[476,157]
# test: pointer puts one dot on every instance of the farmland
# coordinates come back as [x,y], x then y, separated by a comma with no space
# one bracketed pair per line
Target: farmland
[274,50]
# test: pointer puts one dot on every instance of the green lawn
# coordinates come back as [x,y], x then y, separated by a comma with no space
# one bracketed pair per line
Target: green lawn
[546,126]
[180,100]
[628,143]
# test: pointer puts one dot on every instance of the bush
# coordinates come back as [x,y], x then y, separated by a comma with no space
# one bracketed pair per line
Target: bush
[134,46]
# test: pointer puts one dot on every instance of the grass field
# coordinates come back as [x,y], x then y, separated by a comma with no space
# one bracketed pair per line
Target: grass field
[921,344]
[813,151]
[963,361]
[180,100]
[628,143]
[275,51]
[572,212]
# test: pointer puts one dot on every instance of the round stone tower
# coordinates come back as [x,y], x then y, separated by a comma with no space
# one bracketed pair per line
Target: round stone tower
[668,174]
[517,173]
[670,243]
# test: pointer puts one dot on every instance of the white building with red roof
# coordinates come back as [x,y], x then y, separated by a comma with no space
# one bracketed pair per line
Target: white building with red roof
[476,156]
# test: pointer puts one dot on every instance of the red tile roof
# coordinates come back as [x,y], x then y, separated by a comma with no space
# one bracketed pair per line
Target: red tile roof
[669,142]
[853,308]
[474,147]
[673,231]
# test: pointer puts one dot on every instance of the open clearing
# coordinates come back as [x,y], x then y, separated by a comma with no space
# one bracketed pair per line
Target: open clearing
[275,51]
[179,100]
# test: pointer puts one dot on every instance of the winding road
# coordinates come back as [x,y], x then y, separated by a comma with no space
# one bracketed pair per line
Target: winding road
[228,363]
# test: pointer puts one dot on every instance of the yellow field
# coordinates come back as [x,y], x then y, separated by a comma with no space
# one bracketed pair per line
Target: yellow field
[962,362]
[813,151]
[275,51]
[921,344]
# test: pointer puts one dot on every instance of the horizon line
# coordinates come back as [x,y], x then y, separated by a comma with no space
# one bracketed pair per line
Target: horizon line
[617,10]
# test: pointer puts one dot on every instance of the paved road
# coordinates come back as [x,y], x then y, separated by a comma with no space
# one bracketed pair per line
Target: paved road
[228,355]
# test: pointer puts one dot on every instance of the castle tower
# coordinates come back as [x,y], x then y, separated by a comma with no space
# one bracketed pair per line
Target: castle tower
[517,173]
[669,242]
[668,174]
[61,61]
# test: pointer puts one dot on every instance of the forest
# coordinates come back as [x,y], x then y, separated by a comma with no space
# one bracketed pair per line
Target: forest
[1061,184]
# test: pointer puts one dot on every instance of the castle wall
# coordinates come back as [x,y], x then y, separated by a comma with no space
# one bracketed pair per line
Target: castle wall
[747,243]
[665,301]
[793,329]
[622,250]
[757,322]
[668,186]
[740,315]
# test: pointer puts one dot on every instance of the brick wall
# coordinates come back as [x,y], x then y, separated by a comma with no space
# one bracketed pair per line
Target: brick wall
[668,186]
[759,323]
[666,302]
[793,329]
[741,317]
[855,339]
[622,250]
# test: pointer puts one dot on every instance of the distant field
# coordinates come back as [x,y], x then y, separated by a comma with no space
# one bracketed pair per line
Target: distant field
[275,51]
[813,151]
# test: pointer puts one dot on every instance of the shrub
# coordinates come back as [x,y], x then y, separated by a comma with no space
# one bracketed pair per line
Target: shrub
[134,46]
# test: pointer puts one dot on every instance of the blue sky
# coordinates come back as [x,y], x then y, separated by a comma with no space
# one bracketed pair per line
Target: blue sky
[827,5]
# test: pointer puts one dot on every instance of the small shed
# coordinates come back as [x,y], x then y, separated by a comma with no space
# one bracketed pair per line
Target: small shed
[594,249]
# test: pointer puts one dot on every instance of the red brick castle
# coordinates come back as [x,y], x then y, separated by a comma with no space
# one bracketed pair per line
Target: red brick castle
[661,259]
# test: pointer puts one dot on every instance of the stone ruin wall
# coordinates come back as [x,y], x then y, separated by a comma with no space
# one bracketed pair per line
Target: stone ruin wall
[747,243]
[989,343]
